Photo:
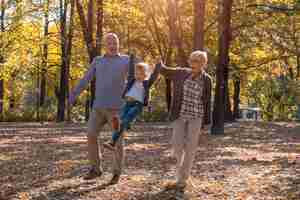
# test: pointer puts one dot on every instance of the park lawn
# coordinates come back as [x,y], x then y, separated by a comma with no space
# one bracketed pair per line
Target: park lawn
[253,160]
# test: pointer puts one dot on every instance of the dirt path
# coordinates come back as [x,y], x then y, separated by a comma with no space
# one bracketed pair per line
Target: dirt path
[251,161]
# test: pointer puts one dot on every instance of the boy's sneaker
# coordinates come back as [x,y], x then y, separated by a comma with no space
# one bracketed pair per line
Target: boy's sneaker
[109,146]
[92,174]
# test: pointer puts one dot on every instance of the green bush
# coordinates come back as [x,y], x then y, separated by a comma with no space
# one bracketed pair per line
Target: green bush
[157,115]
[277,97]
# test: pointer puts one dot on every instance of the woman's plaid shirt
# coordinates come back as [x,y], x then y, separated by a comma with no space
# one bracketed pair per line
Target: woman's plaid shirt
[192,104]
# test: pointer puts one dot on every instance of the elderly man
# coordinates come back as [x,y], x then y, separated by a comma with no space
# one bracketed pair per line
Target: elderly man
[110,72]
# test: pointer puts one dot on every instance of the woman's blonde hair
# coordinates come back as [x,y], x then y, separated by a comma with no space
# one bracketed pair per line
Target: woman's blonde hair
[200,56]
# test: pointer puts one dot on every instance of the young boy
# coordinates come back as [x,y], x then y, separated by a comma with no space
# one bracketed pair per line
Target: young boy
[136,95]
[190,102]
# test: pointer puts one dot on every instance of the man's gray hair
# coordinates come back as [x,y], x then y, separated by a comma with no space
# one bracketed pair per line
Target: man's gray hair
[108,35]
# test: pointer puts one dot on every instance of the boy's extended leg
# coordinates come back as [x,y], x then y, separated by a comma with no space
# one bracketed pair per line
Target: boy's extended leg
[125,109]
[126,119]
[131,114]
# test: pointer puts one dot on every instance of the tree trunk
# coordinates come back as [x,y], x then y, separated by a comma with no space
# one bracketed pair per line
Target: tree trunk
[225,7]
[38,93]
[87,34]
[62,88]
[199,20]
[228,111]
[164,47]
[175,34]
[99,30]
[298,64]
[93,45]
[2,62]
[66,47]
[45,56]
[290,68]
[168,94]
[169,82]
[43,86]
[236,97]
[176,42]
[228,116]
[1,99]
[97,50]
[87,107]
[11,88]
[11,100]
[68,54]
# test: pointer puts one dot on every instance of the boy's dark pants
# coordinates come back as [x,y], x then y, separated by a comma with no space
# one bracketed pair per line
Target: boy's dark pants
[128,113]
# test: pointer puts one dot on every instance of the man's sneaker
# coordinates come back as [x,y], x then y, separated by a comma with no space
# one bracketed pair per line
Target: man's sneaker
[92,174]
[109,145]
[115,179]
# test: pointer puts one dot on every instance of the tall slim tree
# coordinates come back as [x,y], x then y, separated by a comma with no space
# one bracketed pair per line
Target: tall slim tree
[199,21]
[2,29]
[66,31]
[175,28]
[45,54]
[93,44]
[175,35]
[224,22]
[161,40]
[236,95]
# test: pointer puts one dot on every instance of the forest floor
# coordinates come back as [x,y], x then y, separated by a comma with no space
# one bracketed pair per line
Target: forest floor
[252,161]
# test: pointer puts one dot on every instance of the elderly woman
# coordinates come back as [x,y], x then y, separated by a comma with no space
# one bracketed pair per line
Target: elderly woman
[190,109]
